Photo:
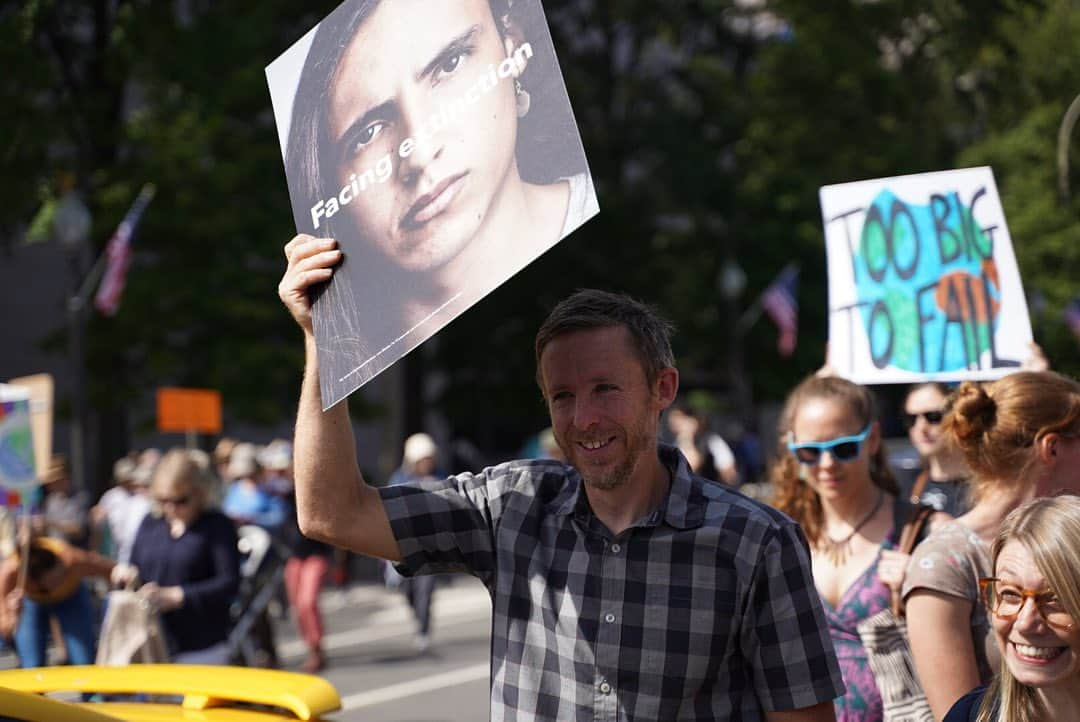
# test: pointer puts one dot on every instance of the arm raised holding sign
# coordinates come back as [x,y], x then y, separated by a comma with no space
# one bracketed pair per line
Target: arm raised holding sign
[333,502]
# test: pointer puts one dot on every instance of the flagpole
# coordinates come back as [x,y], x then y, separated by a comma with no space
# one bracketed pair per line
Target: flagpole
[76,308]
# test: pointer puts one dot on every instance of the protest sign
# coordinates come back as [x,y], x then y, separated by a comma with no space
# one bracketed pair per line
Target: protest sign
[41,391]
[189,410]
[17,473]
[923,282]
[436,143]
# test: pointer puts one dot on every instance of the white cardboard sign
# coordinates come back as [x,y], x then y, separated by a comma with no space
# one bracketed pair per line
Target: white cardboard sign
[923,281]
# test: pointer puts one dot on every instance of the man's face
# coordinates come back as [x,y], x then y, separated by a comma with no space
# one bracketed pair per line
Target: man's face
[409,60]
[604,413]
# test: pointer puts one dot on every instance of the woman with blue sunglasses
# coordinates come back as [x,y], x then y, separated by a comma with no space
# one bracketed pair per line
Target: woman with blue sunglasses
[833,479]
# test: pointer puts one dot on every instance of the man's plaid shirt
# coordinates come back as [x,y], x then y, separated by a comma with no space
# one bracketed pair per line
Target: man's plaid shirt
[703,610]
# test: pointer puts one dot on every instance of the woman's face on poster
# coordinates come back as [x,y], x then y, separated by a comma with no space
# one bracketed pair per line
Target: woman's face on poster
[436,166]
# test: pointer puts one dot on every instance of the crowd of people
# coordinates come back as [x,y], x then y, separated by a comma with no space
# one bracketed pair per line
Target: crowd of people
[623,580]
[627,572]
[168,529]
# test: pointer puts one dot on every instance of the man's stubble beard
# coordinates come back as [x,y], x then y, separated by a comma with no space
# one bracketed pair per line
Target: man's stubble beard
[636,444]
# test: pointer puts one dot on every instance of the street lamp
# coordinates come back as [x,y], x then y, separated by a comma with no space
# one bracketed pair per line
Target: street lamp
[72,228]
[732,283]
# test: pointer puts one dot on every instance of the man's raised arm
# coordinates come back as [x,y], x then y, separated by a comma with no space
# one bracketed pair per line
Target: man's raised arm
[333,502]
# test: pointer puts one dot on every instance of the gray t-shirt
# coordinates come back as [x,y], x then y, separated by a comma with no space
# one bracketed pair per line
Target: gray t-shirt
[950,561]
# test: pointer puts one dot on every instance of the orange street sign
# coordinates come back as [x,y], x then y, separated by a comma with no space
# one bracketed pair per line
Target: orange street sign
[187,410]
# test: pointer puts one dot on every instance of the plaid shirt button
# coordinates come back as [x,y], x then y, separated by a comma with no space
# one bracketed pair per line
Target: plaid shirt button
[615,548]
[609,617]
[605,688]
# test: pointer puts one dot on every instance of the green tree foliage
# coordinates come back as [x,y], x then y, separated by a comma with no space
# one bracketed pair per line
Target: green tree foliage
[709,125]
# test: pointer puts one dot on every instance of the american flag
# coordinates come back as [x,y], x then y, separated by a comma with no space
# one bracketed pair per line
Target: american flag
[118,253]
[780,303]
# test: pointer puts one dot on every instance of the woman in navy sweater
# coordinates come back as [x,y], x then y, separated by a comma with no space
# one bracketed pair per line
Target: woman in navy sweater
[187,557]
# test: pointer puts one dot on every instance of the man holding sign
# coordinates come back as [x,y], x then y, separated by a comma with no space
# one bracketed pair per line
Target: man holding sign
[623,586]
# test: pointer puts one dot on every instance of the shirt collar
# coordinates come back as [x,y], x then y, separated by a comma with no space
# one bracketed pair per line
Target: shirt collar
[682,508]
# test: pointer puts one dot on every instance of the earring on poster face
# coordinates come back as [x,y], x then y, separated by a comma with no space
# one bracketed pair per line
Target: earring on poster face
[522,99]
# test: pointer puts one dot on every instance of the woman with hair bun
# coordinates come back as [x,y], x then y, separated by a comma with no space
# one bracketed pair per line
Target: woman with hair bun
[1020,436]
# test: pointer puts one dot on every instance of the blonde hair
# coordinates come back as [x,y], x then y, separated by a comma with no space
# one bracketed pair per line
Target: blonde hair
[181,466]
[998,425]
[793,495]
[1049,528]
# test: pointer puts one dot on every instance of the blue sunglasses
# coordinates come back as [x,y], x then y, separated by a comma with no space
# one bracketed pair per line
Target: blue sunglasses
[843,449]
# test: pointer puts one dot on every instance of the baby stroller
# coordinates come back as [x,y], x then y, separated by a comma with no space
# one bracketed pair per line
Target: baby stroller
[262,571]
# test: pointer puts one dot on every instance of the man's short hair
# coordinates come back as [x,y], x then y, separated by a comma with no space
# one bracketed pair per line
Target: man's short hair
[590,308]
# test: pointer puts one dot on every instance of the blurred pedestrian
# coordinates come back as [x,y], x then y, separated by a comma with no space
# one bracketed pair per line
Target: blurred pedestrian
[247,500]
[419,463]
[1020,435]
[307,564]
[706,452]
[65,512]
[53,587]
[221,456]
[121,509]
[943,472]
[186,554]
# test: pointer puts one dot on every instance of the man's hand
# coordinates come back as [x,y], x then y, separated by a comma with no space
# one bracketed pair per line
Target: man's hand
[311,261]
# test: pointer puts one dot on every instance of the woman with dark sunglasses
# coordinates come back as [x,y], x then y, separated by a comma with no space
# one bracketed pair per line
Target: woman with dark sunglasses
[1020,436]
[833,479]
[1034,603]
[186,554]
[942,478]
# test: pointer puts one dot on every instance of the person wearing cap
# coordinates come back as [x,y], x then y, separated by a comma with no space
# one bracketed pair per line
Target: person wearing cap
[246,500]
[222,453]
[419,462]
[121,509]
[308,561]
[64,512]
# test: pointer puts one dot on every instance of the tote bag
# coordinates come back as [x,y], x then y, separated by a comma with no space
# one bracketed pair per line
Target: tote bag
[885,638]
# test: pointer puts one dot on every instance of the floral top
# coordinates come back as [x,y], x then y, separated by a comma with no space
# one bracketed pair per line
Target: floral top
[863,599]
[950,561]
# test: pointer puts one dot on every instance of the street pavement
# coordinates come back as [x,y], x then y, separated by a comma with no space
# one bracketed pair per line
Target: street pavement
[376,668]
[373,660]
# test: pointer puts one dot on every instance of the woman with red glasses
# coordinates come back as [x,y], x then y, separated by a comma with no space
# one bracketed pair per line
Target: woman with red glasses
[1034,603]
[834,481]
[942,479]
[1019,436]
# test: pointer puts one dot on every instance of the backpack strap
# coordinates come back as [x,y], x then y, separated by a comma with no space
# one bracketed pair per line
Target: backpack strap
[911,521]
